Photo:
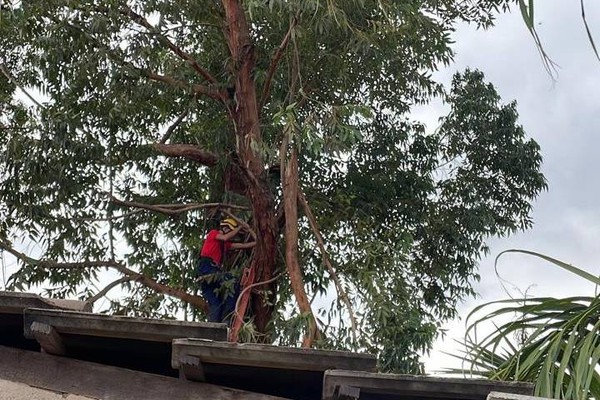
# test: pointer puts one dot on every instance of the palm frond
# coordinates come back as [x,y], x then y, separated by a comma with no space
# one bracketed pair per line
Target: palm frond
[552,342]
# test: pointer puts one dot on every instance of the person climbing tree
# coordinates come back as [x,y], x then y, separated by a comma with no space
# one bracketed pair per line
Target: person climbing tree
[219,288]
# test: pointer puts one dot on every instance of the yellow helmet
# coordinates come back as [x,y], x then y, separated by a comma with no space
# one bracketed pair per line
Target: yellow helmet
[230,223]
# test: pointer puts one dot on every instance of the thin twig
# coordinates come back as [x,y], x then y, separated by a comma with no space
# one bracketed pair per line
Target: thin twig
[140,20]
[237,302]
[12,80]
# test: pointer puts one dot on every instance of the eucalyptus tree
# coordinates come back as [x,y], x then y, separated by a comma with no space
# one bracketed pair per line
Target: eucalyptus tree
[146,119]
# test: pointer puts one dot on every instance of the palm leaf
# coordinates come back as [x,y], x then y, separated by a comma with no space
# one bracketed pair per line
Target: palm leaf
[559,351]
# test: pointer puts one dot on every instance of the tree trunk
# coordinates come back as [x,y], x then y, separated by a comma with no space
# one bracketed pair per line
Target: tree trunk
[248,135]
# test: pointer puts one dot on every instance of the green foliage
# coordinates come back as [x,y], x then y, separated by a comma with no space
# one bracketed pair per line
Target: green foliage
[553,342]
[405,212]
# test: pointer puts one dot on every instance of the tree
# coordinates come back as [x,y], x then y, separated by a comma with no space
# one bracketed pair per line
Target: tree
[154,111]
[552,342]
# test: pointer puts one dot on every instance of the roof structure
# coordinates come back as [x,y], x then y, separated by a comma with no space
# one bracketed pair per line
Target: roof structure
[61,346]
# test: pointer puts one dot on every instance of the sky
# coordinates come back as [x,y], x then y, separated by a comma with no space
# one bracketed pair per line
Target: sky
[563,116]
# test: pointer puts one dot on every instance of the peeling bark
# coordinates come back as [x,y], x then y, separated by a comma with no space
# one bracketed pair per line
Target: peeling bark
[290,196]
[188,151]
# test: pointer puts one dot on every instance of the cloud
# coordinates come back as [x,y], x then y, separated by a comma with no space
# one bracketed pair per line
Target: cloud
[564,118]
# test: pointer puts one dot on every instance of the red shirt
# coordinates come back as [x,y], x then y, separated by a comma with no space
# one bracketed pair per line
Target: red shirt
[214,248]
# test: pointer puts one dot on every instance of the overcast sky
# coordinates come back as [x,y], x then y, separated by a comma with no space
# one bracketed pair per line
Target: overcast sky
[563,117]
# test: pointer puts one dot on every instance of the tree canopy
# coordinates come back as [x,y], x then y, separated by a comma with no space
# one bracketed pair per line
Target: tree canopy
[149,120]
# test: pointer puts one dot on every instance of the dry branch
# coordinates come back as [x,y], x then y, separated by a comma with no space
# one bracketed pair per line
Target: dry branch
[338,284]
[274,62]
[172,209]
[108,288]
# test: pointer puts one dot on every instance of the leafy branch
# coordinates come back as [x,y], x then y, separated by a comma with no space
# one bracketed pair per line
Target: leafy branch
[140,20]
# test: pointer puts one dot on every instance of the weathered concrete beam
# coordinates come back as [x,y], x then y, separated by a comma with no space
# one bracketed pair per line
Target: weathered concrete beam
[48,338]
[391,386]
[261,355]
[61,374]
[347,393]
[281,371]
[15,303]
[89,324]
[191,369]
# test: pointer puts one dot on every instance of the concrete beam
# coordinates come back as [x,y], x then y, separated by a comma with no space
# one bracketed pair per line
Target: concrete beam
[15,303]
[61,374]
[191,369]
[81,323]
[48,339]
[295,373]
[392,386]
[268,356]
[347,393]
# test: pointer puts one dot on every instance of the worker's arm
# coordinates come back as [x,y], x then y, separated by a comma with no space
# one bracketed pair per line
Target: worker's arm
[246,245]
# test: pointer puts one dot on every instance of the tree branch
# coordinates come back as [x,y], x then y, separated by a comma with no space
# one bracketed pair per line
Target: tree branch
[140,20]
[109,287]
[189,151]
[274,62]
[209,91]
[198,89]
[131,275]
[312,221]
[175,124]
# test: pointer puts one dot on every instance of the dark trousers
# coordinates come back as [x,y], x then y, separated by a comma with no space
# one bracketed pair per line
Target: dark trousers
[220,290]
